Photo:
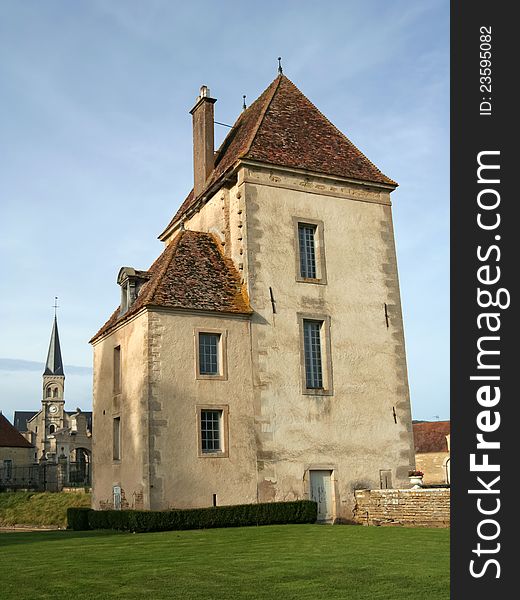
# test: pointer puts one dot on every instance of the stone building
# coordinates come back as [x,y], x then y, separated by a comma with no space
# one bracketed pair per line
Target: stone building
[432,451]
[53,431]
[15,451]
[261,357]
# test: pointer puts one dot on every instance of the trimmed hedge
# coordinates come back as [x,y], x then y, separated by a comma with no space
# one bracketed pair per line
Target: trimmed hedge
[77,518]
[271,513]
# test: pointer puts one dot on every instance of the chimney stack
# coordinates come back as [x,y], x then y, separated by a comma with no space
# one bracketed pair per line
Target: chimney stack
[203,139]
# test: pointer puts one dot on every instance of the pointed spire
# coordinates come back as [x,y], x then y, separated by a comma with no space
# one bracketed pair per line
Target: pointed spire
[54,364]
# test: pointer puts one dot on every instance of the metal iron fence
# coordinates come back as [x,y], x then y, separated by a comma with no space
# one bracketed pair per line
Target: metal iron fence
[49,477]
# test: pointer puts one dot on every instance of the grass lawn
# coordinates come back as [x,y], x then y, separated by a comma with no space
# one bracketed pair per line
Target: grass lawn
[280,562]
[39,508]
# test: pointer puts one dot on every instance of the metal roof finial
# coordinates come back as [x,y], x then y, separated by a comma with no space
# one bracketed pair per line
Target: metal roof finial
[55,305]
[244,102]
[280,71]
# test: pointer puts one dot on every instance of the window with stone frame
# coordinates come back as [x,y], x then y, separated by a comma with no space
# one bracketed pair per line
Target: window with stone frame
[310,250]
[210,351]
[312,354]
[315,353]
[213,430]
[116,438]
[307,246]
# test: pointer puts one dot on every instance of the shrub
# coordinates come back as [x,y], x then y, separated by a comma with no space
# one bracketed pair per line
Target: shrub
[77,518]
[300,511]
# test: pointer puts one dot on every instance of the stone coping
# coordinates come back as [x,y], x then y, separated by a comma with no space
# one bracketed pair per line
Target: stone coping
[405,490]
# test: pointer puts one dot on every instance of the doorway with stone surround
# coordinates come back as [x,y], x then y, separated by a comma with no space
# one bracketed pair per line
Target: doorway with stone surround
[321,491]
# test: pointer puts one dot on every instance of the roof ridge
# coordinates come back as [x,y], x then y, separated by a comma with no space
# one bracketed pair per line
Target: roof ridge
[329,122]
[262,115]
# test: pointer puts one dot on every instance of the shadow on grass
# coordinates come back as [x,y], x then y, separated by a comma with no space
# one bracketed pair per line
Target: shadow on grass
[9,538]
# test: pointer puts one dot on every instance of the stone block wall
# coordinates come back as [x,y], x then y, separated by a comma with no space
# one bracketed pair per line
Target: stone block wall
[433,465]
[427,507]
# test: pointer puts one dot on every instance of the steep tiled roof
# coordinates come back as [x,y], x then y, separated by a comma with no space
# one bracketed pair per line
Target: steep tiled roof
[284,128]
[191,273]
[10,437]
[430,436]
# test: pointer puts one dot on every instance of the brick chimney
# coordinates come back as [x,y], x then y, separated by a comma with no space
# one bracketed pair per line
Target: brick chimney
[203,139]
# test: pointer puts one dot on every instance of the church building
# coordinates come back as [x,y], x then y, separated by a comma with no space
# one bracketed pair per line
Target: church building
[53,431]
[261,357]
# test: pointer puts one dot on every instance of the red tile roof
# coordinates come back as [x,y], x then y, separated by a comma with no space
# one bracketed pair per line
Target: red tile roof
[284,128]
[430,436]
[192,273]
[11,437]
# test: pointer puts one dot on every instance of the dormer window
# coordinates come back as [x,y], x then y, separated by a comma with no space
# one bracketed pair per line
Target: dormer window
[131,282]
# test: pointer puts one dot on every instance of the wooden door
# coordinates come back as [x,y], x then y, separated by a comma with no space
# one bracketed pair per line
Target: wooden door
[321,492]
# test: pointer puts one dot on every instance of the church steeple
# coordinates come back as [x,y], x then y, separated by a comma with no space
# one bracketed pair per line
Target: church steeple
[54,364]
[53,376]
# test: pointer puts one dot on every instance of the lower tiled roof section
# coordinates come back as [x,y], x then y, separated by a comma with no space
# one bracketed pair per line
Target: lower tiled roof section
[10,437]
[192,273]
[430,436]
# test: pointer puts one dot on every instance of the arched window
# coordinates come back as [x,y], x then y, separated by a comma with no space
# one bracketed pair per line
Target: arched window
[55,393]
[48,392]
[52,428]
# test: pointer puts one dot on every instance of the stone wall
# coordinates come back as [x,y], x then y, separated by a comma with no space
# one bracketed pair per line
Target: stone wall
[427,507]
[433,465]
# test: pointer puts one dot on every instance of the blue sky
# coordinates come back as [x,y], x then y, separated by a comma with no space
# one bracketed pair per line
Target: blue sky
[95,140]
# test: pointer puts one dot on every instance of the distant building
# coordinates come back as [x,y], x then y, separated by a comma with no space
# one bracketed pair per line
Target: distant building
[432,450]
[261,357]
[15,450]
[54,432]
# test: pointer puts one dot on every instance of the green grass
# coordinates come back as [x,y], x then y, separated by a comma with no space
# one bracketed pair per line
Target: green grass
[39,508]
[280,562]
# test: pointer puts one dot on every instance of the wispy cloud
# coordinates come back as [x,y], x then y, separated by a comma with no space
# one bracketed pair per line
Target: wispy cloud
[17,364]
